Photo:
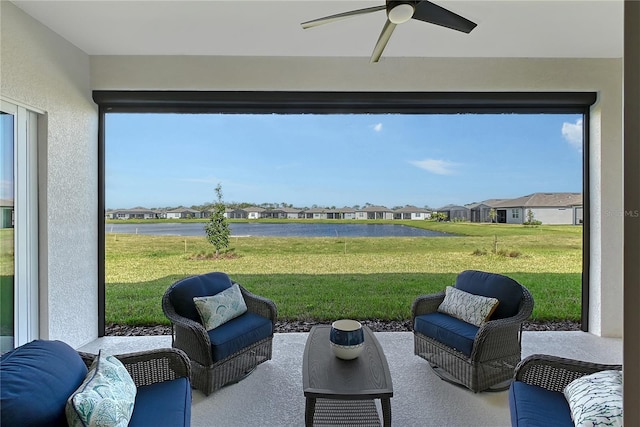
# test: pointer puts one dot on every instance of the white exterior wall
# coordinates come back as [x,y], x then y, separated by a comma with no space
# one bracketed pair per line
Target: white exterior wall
[552,216]
[510,216]
[41,70]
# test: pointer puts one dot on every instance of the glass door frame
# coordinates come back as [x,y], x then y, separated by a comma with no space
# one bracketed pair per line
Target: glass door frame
[26,260]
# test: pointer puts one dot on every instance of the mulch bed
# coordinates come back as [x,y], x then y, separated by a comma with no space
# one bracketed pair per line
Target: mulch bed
[302,326]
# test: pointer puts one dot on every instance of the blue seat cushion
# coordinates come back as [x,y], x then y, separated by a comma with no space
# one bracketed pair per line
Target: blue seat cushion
[505,289]
[534,406]
[448,330]
[36,380]
[163,404]
[203,285]
[238,333]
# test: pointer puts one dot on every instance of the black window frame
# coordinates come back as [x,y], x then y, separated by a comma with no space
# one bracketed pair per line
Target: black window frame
[328,102]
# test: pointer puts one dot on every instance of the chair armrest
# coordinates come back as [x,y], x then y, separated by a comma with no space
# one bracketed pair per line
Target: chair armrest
[188,335]
[425,304]
[259,305]
[555,373]
[151,366]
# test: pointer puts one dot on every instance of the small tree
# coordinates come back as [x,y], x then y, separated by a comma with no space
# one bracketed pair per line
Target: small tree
[493,214]
[217,228]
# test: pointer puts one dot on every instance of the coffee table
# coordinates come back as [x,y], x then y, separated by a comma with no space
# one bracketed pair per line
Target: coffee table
[344,391]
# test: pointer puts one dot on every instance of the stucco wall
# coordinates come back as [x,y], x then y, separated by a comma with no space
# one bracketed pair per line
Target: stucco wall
[430,74]
[41,70]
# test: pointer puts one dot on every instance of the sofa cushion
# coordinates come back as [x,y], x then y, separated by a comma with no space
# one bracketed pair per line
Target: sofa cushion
[37,378]
[163,404]
[217,309]
[534,406]
[474,309]
[185,290]
[448,330]
[238,333]
[505,289]
[596,399]
[105,398]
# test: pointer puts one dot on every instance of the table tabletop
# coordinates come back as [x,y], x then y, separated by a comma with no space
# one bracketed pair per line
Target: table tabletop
[326,376]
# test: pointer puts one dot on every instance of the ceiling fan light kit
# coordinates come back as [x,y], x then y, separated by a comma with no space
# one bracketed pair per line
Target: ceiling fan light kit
[399,12]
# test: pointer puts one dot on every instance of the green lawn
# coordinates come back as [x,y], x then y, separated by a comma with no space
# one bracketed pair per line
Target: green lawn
[364,278]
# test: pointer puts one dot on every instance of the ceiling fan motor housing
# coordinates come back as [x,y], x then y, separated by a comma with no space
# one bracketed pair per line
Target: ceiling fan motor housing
[400,12]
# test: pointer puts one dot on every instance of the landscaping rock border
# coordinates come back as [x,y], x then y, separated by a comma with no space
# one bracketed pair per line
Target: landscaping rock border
[305,326]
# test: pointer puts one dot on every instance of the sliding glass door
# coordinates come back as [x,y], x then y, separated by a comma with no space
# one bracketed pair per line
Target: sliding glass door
[18,226]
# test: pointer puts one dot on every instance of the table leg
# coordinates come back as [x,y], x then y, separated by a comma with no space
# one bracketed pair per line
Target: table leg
[309,409]
[386,411]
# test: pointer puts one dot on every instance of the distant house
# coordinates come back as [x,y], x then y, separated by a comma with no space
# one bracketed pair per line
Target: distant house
[292,213]
[411,212]
[6,213]
[344,213]
[235,213]
[455,212]
[254,212]
[374,212]
[135,213]
[182,213]
[480,212]
[549,208]
[316,213]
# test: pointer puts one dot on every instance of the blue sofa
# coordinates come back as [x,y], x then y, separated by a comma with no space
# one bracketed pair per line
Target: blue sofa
[536,396]
[38,378]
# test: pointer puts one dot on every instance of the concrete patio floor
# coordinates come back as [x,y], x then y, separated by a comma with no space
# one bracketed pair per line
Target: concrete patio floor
[272,394]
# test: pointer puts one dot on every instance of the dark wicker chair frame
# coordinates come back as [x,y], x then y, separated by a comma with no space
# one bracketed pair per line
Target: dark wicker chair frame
[151,366]
[496,349]
[555,373]
[191,337]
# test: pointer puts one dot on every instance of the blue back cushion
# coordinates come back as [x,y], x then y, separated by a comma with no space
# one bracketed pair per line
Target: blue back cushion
[183,291]
[36,380]
[163,404]
[448,330]
[505,289]
[534,406]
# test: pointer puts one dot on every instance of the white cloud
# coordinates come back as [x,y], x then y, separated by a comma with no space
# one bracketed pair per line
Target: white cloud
[438,167]
[377,127]
[572,133]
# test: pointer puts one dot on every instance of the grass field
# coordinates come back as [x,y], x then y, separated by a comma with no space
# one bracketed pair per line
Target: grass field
[364,278]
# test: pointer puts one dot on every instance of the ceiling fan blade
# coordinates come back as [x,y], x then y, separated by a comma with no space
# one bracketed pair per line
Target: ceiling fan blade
[385,35]
[434,14]
[339,16]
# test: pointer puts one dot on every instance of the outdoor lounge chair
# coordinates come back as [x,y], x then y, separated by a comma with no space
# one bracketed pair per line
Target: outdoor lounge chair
[477,356]
[226,353]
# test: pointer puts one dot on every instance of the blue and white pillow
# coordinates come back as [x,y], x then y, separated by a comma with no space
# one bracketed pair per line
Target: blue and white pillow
[474,309]
[105,398]
[596,399]
[218,309]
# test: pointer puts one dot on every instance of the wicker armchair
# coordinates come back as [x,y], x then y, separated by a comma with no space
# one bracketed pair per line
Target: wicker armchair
[246,341]
[555,373]
[151,366]
[536,394]
[492,350]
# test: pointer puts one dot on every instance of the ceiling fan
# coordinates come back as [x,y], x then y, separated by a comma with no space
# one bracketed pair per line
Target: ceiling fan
[399,12]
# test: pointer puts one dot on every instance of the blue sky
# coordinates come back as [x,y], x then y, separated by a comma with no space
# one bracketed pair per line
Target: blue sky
[161,160]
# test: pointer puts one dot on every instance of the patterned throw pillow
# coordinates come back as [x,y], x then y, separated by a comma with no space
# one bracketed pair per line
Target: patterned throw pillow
[221,307]
[596,399]
[474,309]
[105,398]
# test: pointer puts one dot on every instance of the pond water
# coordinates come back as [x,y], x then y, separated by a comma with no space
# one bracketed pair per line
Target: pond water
[278,230]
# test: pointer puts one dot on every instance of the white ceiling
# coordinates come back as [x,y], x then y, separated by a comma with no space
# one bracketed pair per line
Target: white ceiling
[506,28]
